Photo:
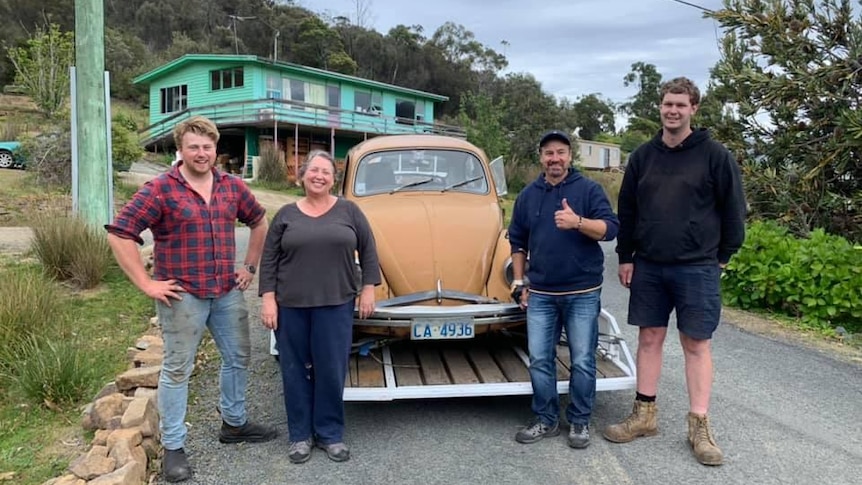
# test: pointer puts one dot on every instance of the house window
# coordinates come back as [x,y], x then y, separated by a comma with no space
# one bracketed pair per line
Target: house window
[333,96]
[273,87]
[174,98]
[315,94]
[297,90]
[420,110]
[405,109]
[227,78]
[366,102]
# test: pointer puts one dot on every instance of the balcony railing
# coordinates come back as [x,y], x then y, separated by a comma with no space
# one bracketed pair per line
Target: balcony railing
[263,112]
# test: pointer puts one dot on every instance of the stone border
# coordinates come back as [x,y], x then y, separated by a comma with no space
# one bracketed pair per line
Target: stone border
[124,415]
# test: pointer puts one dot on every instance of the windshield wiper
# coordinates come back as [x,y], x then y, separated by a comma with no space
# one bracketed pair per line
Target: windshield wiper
[463,182]
[411,184]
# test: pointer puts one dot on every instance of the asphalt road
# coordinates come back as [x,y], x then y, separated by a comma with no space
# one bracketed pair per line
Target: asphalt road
[783,414]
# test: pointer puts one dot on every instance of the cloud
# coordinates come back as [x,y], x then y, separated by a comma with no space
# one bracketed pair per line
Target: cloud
[573,48]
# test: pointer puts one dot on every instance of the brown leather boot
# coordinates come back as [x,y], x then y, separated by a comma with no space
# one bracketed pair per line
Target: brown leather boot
[641,422]
[702,442]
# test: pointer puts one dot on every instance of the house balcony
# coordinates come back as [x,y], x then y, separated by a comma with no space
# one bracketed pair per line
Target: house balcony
[265,113]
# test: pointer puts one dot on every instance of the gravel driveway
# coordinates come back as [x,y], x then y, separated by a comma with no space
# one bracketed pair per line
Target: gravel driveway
[785,413]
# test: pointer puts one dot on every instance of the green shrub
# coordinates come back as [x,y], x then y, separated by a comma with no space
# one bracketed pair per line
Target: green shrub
[125,145]
[50,370]
[817,279]
[30,305]
[272,170]
[71,250]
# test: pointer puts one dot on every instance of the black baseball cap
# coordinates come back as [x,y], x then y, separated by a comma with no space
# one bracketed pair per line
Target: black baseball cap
[555,135]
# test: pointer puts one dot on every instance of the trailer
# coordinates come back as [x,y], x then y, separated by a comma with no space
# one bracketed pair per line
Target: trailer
[490,364]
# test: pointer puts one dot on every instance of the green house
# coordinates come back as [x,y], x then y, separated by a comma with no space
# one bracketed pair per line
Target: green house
[254,100]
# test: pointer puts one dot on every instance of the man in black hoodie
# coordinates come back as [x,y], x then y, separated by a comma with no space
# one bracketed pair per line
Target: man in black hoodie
[682,217]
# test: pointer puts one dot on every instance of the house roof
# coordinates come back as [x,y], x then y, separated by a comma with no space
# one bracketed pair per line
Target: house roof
[165,69]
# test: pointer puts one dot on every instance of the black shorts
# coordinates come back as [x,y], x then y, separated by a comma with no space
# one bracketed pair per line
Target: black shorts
[693,290]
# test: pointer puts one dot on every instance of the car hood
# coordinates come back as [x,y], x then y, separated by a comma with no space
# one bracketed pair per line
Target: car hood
[426,238]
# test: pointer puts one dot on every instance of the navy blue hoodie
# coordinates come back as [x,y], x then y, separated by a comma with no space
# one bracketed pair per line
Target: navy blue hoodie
[682,204]
[561,260]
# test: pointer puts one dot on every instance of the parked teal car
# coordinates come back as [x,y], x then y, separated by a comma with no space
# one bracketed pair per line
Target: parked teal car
[10,155]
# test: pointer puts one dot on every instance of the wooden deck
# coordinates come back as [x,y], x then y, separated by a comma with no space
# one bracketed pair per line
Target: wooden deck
[476,361]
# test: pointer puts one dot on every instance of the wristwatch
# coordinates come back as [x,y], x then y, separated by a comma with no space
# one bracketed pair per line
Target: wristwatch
[250,268]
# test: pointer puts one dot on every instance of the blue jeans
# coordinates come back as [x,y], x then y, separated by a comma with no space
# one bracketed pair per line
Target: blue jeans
[314,347]
[183,325]
[547,316]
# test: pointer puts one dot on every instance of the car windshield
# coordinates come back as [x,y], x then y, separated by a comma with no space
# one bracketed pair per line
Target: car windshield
[420,170]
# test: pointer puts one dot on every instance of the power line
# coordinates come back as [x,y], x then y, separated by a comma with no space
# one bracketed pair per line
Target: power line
[694,5]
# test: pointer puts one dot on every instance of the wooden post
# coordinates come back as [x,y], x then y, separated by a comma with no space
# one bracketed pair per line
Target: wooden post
[92,127]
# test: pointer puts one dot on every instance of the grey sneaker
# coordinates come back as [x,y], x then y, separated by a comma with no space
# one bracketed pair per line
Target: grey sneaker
[535,431]
[299,451]
[336,451]
[579,435]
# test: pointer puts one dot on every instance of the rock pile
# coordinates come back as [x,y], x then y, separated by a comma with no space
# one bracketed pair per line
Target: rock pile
[124,416]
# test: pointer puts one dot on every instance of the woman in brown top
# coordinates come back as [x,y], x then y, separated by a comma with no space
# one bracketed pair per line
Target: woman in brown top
[308,283]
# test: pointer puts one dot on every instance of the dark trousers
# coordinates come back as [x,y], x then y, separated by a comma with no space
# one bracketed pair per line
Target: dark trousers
[314,346]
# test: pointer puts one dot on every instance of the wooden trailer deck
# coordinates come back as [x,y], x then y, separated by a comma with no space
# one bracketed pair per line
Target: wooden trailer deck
[484,366]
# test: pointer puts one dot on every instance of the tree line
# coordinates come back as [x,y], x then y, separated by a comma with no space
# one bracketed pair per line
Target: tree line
[784,96]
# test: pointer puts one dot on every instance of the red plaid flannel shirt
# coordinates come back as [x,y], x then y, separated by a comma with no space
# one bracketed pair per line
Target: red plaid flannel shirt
[195,243]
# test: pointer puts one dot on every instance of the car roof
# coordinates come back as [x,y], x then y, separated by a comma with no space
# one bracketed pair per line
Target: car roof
[412,142]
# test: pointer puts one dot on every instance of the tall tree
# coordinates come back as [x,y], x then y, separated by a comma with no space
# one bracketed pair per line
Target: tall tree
[482,119]
[594,116]
[320,46]
[42,67]
[644,104]
[792,69]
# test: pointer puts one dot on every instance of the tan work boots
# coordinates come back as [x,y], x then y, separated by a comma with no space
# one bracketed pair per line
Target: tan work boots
[701,440]
[641,422]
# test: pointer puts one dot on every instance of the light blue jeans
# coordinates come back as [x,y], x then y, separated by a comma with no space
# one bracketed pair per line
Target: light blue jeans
[183,325]
[547,316]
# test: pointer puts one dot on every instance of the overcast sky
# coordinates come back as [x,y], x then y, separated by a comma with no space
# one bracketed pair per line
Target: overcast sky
[573,47]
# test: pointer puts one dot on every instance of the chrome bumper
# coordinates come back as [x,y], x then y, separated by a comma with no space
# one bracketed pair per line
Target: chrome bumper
[400,312]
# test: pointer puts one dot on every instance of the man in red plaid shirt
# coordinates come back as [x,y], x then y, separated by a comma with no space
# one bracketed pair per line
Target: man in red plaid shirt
[192,210]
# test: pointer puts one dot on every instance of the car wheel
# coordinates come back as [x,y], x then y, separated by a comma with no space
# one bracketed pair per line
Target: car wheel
[6,159]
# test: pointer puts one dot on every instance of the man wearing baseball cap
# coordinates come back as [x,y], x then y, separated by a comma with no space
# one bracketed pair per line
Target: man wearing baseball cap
[558,220]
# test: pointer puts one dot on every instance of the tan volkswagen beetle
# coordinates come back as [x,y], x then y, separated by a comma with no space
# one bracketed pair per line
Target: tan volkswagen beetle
[433,205]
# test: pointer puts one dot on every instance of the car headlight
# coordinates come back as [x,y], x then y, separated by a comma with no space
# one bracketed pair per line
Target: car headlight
[509,272]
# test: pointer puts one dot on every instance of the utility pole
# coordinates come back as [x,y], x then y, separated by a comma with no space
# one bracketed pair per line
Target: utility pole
[92,127]
[276,34]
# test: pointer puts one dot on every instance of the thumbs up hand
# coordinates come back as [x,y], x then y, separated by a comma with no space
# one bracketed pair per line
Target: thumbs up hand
[565,218]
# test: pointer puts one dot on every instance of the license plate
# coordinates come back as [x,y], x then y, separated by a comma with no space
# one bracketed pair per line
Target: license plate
[442,329]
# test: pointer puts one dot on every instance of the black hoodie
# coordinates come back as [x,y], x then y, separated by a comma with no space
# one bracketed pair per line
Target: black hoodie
[683,204]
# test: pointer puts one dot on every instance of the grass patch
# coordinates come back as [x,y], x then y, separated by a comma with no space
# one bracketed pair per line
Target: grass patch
[282,187]
[22,199]
[610,181]
[72,250]
[101,324]
[36,443]
[54,372]
[507,202]
[123,192]
[30,306]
